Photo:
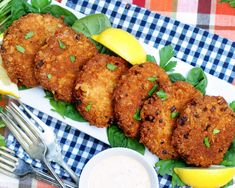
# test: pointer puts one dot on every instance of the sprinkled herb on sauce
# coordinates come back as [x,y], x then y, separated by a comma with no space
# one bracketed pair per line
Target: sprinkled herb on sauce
[161,94]
[206,142]
[61,44]
[49,76]
[29,35]
[152,79]
[137,115]
[88,107]
[216,131]
[72,58]
[111,66]
[20,49]
[174,115]
[151,91]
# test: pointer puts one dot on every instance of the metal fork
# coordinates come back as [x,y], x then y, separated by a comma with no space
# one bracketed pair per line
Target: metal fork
[16,167]
[28,137]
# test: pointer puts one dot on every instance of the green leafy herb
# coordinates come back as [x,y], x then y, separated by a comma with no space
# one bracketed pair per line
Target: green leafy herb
[198,79]
[20,49]
[117,138]
[136,116]
[1,109]
[151,91]
[232,105]
[176,77]
[152,79]
[111,66]
[64,109]
[2,141]
[72,58]
[29,35]
[230,2]
[166,53]
[61,44]
[174,115]
[216,131]
[150,58]
[40,4]
[88,107]
[229,157]
[49,76]
[166,167]
[162,94]
[23,87]
[2,124]
[206,142]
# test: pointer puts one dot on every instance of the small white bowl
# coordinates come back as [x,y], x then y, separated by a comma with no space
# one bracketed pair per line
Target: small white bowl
[116,152]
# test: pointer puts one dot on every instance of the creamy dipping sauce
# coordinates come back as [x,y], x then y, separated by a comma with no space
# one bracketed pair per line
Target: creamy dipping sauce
[119,172]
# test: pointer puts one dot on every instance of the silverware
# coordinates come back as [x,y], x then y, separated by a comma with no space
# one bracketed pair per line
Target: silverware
[28,137]
[15,167]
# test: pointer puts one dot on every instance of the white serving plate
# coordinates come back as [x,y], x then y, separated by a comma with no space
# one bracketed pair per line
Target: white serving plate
[35,97]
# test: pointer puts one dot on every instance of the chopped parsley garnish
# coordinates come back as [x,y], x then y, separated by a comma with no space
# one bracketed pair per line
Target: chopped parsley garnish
[88,107]
[61,44]
[152,79]
[216,131]
[20,49]
[162,94]
[174,115]
[206,142]
[72,58]
[111,66]
[49,76]
[137,115]
[151,91]
[29,35]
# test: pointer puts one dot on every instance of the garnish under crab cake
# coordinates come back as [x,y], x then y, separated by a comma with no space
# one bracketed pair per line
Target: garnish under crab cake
[205,130]
[159,115]
[140,82]
[94,88]
[58,62]
[22,41]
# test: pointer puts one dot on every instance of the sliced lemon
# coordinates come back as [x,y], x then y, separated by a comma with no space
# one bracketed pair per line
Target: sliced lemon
[212,177]
[123,44]
[6,86]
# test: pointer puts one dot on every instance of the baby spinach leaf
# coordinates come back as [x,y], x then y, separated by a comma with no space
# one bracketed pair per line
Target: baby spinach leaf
[58,12]
[198,79]
[150,58]
[92,24]
[176,77]
[2,140]
[166,53]
[232,105]
[40,4]
[229,157]
[65,109]
[117,138]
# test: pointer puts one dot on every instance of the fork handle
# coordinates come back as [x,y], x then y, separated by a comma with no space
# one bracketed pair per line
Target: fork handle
[49,167]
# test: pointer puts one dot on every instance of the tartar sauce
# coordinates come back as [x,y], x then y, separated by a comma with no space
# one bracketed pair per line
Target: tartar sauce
[119,172]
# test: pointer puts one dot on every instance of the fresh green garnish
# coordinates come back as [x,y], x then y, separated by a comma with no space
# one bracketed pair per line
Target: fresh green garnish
[111,66]
[166,167]
[88,107]
[206,142]
[40,4]
[72,58]
[150,58]
[117,138]
[166,53]
[2,124]
[232,105]
[29,35]
[2,141]
[174,77]
[61,44]
[151,91]
[216,131]
[1,109]
[65,109]
[152,79]
[136,116]
[49,76]
[174,115]
[20,49]
[162,94]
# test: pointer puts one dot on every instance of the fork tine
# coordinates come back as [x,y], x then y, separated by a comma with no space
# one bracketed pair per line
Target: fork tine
[19,135]
[8,154]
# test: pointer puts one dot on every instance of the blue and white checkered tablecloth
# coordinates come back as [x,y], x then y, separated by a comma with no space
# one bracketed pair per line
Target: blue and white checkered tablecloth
[195,46]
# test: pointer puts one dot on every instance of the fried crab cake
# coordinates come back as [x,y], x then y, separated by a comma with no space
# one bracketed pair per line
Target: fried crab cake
[94,88]
[159,114]
[22,41]
[205,130]
[132,90]
[58,62]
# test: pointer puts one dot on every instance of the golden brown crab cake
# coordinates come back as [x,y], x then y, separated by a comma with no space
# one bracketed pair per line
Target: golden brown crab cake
[205,130]
[132,90]
[159,114]
[94,88]
[22,41]
[58,62]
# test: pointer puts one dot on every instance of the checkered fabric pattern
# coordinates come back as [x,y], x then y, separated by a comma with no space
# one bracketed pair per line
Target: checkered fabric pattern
[192,45]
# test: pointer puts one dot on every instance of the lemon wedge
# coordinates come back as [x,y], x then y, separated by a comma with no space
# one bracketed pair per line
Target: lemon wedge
[213,177]
[123,44]
[6,86]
